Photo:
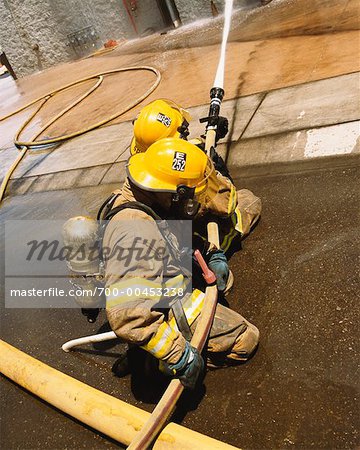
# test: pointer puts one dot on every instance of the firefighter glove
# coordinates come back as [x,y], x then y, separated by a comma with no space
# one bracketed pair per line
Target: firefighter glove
[218,264]
[222,128]
[188,369]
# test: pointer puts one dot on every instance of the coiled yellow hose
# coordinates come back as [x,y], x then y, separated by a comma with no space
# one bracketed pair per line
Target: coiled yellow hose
[25,145]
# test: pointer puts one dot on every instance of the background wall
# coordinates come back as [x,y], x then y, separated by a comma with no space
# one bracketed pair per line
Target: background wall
[195,9]
[36,34]
[30,35]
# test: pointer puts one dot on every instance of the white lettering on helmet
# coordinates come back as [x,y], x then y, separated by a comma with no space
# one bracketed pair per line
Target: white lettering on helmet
[165,120]
[179,161]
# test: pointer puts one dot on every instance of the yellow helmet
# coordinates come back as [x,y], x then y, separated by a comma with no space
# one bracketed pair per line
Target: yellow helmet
[177,167]
[159,119]
[168,164]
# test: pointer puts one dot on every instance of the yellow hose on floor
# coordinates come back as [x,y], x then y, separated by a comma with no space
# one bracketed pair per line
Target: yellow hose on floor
[100,411]
[24,145]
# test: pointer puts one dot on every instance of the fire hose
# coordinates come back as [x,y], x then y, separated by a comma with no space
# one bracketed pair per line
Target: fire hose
[23,146]
[100,411]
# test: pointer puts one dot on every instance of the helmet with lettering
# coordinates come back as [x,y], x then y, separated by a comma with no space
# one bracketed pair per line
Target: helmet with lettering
[177,167]
[159,119]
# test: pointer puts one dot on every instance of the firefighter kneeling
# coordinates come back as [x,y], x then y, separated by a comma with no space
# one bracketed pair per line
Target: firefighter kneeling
[171,180]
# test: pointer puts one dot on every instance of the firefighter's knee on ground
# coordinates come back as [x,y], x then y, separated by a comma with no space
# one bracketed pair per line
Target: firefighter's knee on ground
[250,207]
[245,344]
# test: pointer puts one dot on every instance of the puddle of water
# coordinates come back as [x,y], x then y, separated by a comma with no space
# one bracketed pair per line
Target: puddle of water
[10,92]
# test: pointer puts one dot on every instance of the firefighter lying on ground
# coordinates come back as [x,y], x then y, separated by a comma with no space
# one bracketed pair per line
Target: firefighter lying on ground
[238,209]
[172,179]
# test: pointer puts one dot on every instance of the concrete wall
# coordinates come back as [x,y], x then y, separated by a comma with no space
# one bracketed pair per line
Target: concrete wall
[30,35]
[100,20]
[110,17]
[194,10]
[147,17]
[36,34]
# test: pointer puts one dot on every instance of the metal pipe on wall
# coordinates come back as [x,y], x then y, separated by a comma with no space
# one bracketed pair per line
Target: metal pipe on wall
[173,12]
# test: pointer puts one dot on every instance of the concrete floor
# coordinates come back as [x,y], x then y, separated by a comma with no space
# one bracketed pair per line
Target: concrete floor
[319,119]
[291,83]
[296,279]
[317,38]
[294,139]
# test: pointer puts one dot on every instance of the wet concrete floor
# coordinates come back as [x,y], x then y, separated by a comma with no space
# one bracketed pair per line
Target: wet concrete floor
[284,44]
[296,279]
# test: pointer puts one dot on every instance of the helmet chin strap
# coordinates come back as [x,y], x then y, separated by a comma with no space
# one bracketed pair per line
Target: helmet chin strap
[184,204]
[181,205]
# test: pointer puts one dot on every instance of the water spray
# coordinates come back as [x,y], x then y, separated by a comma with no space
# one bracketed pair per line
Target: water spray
[216,95]
[217,91]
